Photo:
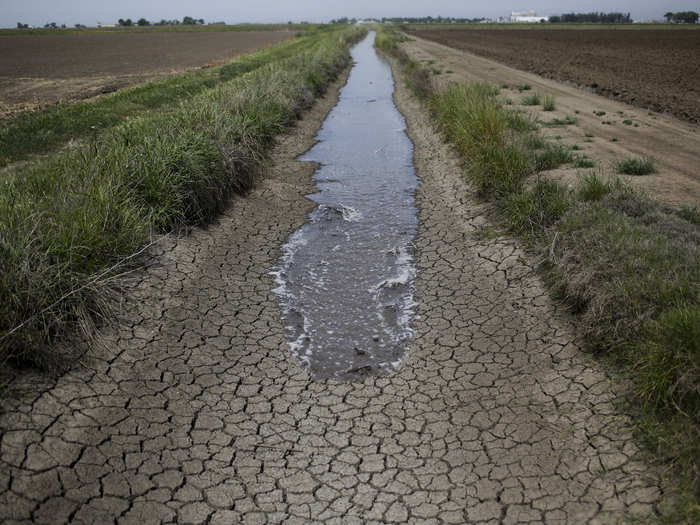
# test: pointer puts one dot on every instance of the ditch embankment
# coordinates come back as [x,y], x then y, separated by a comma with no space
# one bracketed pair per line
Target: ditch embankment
[626,266]
[72,221]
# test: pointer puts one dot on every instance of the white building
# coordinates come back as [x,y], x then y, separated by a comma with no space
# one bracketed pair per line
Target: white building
[527,17]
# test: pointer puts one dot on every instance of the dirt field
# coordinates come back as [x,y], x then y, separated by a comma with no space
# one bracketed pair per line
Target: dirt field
[605,130]
[41,70]
[650,68]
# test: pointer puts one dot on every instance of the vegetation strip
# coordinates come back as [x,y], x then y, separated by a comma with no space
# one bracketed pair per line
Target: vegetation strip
[46,130]
[67,218]
[627,266]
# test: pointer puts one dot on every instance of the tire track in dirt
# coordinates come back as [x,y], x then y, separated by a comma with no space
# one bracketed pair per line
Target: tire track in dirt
[196,413]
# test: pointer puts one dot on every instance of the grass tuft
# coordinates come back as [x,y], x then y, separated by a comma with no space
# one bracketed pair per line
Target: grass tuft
[534,99]
[636,166]
[549,103]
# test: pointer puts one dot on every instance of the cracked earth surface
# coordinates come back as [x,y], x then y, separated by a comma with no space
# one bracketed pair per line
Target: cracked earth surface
[194,412]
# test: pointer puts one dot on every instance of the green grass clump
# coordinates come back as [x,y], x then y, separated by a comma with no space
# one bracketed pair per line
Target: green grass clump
[594,187]
[66,219]
[691,215]
[534,99]
[524,87]
[636,166]
[482,130]
[530,213]
[552,156]
[549,103]
[582,161]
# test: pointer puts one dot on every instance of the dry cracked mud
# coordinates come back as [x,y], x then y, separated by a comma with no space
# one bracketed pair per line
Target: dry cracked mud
[193,412]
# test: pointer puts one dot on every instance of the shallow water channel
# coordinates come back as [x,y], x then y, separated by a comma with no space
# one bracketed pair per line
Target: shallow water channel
[345,279]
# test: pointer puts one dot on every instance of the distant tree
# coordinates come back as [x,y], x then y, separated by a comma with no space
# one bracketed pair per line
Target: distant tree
[63,26]
[188,21]
[80,26]
[686,17]
[201,21]
[593,18]
[20,25]
[669,16]
[125,23]
[51,25]
[143,22]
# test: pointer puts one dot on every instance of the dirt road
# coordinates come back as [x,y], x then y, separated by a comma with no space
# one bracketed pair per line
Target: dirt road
[651,68]
[606,130]
[196,413]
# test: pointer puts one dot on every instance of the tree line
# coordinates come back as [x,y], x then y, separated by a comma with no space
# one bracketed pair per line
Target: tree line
[682,17]
[592,18]
[187,21]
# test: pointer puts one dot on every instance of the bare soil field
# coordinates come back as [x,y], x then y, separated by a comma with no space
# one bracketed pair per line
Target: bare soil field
[603,129]
[657,69]
[40,70]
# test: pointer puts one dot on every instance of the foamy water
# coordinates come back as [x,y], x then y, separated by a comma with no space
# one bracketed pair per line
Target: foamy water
[345,279]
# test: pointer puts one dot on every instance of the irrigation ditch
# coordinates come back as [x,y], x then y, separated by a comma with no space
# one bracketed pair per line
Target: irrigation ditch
[193,409]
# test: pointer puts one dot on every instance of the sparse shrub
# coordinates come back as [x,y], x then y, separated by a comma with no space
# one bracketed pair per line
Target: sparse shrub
[524,87]
[636,166]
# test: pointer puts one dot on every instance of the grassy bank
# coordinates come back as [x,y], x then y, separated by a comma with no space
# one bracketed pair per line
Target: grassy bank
[68,220]
[628,267]
[46,130]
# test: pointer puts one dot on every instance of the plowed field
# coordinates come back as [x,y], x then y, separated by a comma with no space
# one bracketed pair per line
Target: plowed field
[37,70]
[657,69]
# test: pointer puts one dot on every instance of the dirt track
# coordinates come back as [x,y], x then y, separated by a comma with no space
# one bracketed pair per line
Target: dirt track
[46,69]
[657,69]
[197,413]
[674,144]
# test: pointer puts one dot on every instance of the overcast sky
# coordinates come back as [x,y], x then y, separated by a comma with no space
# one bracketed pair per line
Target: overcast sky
[89,12]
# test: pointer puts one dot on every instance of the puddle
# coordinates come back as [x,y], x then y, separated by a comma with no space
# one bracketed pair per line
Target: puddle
[345,279]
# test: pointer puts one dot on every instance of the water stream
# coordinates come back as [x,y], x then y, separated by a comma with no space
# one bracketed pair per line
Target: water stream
[345,279]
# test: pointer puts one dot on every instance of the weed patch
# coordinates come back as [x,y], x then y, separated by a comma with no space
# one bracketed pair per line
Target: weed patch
[636,166]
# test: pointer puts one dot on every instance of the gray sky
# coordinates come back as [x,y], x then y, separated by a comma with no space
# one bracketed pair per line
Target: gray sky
[69,12]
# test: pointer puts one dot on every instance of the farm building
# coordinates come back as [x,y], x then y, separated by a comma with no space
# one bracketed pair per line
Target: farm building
[526,17]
